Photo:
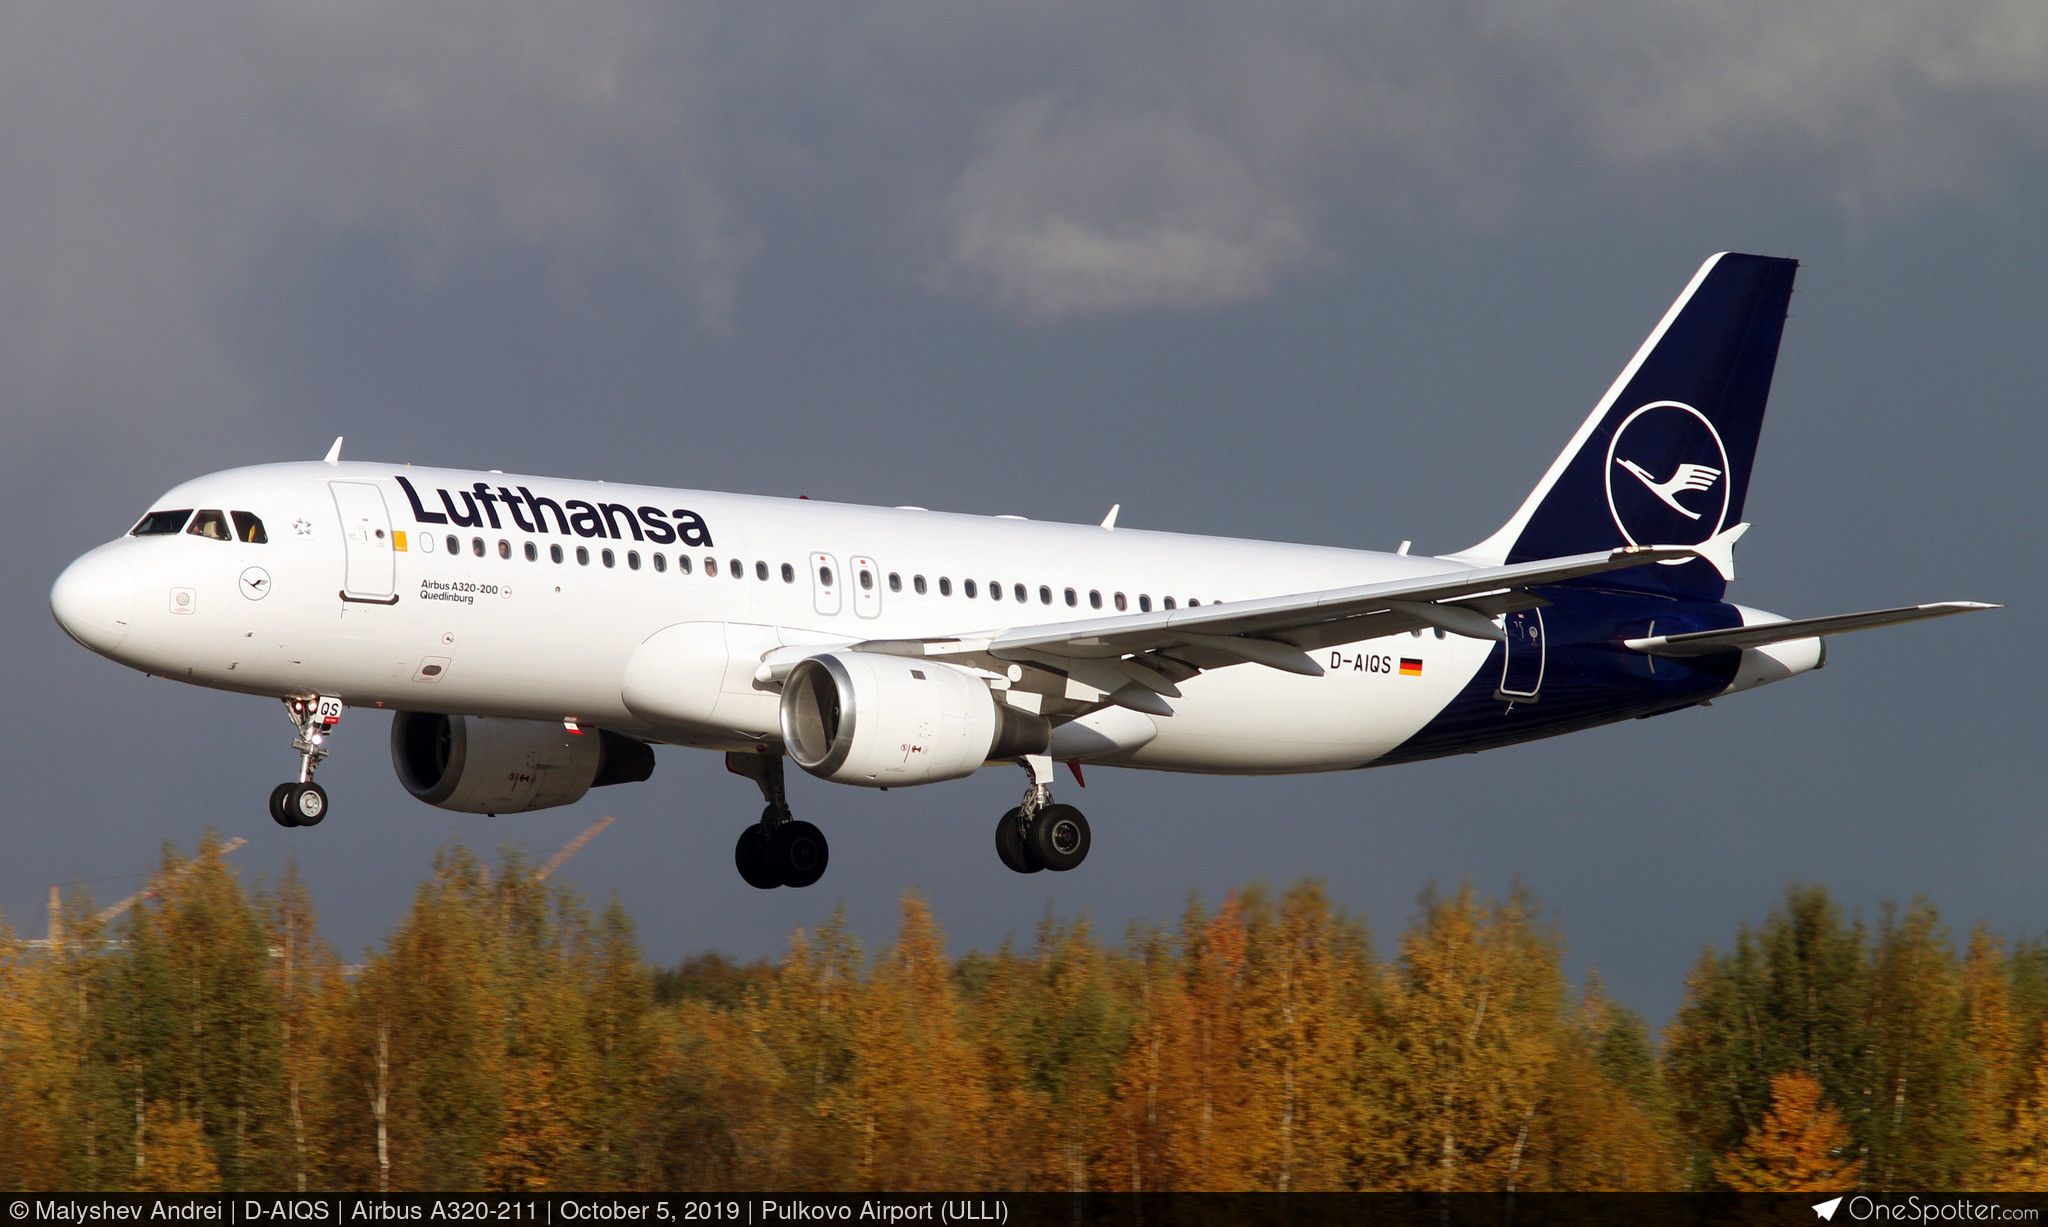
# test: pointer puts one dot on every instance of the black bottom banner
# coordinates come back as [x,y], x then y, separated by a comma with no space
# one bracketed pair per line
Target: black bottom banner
[1025,1209]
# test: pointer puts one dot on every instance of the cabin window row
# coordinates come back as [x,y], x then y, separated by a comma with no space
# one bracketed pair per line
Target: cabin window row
[1020,593]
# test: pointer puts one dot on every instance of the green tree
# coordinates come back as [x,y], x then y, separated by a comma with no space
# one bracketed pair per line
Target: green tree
[1914,1132]
[194,1028]
[1791,996]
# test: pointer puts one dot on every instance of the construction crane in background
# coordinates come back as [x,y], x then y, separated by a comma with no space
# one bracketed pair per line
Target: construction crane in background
[176,875]
[56,937]
[571,848]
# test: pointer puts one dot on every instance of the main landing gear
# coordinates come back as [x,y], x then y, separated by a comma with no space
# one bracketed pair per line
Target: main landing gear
[778,850]
[301,802]
[1040,834]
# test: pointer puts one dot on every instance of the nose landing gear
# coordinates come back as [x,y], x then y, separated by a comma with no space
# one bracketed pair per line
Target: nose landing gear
[778,850]
[1040,834]
[301,802]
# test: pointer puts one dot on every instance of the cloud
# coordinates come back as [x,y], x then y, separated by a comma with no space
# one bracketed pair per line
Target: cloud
[1053,159]
[1060,213]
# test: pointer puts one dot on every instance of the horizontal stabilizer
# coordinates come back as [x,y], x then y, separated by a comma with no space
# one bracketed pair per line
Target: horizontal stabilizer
[1735,638]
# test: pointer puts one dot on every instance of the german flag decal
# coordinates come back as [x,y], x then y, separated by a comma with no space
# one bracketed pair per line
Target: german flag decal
[1411,667]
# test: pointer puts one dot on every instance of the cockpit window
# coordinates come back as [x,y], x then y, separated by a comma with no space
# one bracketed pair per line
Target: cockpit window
[249,529]
[210,523]
[160,523]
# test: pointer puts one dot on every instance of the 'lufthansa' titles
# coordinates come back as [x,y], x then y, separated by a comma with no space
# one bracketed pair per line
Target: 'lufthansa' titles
[572,517]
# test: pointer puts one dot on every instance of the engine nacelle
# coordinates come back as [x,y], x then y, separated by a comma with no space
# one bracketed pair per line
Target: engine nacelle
[892,721]
[486,765]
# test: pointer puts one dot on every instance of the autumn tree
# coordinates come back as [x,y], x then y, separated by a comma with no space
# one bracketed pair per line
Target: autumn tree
[1478,997]
[1916,1080]
[1789,996]
[419,1067]
[1800,1144]
[31,1074]
[1312,1049]
[190,1029]
[919,1101]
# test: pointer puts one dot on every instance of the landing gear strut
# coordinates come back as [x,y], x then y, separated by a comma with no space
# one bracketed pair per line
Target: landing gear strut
[778,850]
[301,802]
[1040,834]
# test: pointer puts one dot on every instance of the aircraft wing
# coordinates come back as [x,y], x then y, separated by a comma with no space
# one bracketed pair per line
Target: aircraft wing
[1735,638]
[1152,651]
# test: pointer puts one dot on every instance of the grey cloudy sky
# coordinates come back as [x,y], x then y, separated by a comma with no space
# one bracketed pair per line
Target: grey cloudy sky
[1322,271]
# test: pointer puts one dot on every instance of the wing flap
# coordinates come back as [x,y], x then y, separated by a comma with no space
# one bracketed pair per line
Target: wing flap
[1736,638]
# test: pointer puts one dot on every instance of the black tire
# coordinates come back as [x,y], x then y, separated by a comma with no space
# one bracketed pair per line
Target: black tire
[278,813]
[1058,838]
[800,853]
[306,804]
[754,860]
[1010,845]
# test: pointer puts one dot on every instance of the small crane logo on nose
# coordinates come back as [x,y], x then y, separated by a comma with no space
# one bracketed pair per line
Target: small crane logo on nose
[255,583]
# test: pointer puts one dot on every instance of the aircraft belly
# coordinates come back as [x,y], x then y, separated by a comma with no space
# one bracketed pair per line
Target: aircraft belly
[1251,720]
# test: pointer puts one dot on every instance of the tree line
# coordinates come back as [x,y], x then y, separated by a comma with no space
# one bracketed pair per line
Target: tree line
[507,1038]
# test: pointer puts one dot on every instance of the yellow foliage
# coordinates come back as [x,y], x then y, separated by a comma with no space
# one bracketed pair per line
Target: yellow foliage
[1798,1147]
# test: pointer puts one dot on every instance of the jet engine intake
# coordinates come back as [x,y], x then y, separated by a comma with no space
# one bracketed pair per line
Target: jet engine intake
[487,765]
[891,721]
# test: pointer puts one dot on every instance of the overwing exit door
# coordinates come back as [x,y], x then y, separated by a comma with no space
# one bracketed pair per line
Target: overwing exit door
[372,573]
[825,580]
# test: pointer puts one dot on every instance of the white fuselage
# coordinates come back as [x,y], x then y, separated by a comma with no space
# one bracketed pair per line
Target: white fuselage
[496,634]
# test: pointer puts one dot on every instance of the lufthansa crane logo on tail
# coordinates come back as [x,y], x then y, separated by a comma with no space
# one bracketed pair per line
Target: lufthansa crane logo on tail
[1667,476]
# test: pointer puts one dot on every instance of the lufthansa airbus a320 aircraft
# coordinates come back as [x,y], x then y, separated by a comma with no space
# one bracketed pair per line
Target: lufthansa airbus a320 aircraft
[535,636]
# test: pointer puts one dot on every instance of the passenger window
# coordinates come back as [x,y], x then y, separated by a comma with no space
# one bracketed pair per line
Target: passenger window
[1045,595]
[609,558]
[761,571]
[454,544]
[995,591]
[682,564]
[1017,590]
[476,546]
[249,529]
[895,582]
[917,583]
[710,565]
[967,587]
[736,567]
[867,580]
[1095,598]
[632,560]
[211,525]
[945,585]
[555,552]
[1169,602]
[1071,600]
[160,523]
[788,574]
[504,549]
[825,577]
[1144,603]
[660,562]
[1121,603]
[1192,602]
[532,552]
[582,555]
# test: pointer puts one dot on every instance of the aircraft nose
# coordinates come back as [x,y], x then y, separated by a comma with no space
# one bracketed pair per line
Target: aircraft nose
[94,600]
